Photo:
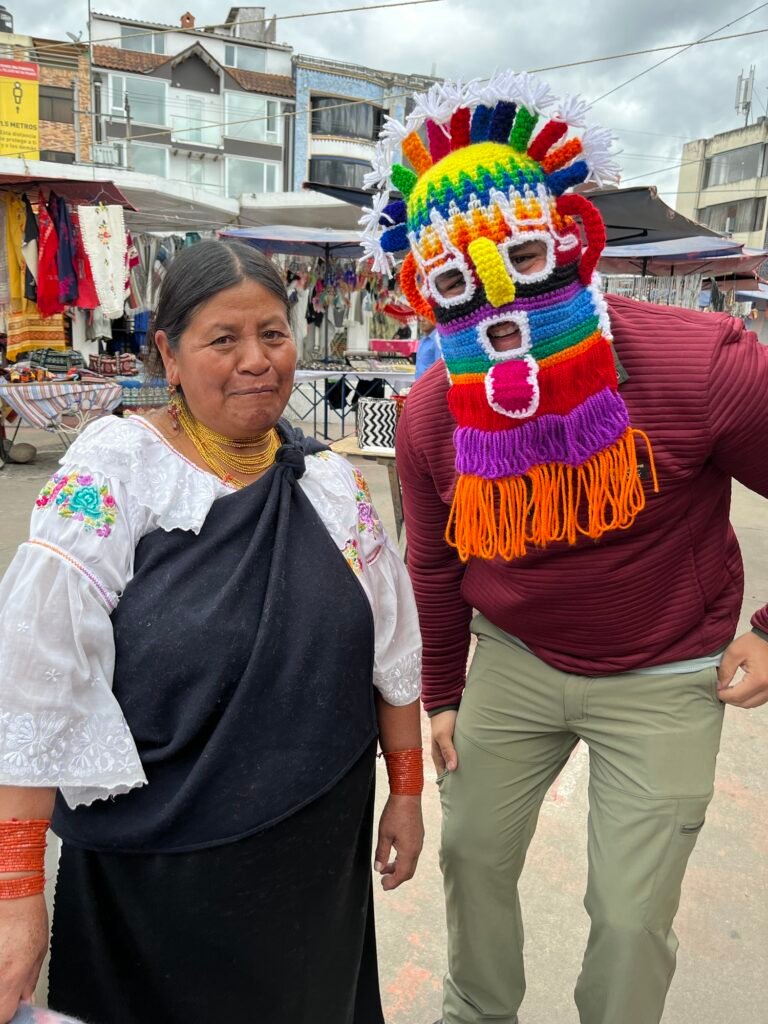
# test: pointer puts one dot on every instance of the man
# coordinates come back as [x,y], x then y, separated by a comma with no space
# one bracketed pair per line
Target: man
[566,474]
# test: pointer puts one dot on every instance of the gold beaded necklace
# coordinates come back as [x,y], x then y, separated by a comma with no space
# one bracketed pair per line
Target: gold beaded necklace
[210,447]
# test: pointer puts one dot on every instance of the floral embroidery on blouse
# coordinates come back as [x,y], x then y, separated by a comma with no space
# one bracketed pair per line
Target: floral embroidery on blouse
[367,520]
[352,555]
[76,496]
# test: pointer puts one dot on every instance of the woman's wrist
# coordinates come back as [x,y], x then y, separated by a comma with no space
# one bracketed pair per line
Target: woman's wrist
[405,769]
[22,858]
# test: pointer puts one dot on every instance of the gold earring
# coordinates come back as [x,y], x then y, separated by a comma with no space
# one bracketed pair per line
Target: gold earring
[174,404]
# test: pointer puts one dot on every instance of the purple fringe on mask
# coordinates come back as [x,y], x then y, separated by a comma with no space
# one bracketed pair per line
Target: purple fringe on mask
[572,439]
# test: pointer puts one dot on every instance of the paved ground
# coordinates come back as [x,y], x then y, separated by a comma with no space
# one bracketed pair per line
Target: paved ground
[723,920]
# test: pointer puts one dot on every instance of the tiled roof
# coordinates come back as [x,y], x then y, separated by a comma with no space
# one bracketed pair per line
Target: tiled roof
[272,85]
[140,63]
[127,60]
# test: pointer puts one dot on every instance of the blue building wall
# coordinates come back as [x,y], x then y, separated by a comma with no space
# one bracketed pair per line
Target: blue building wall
[309,81]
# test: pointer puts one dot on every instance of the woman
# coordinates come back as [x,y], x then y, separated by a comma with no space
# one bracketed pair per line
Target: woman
[194,629]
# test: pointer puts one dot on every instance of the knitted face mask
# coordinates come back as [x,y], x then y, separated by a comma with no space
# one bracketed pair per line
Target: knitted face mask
[544,448]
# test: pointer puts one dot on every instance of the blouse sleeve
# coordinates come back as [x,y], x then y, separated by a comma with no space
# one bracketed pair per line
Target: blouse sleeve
[60,724]
[397,663]
[342,499]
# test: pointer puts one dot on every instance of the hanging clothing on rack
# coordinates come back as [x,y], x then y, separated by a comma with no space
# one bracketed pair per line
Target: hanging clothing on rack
[86,289]
[103,232]
[66,251]
[48,284]
[14,239]
[29,249]
[5,294]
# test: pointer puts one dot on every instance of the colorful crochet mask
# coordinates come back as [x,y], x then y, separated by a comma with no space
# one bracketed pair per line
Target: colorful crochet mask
[544,449]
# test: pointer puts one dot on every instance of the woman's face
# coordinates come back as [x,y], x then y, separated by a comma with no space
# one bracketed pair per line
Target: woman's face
[235,361]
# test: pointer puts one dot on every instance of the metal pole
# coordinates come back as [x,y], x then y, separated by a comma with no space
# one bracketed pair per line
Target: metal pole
[327,259]
[127,108]
[76,115]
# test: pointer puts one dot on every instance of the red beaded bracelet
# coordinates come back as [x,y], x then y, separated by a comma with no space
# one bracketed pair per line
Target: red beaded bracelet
[405,769]
[22,849]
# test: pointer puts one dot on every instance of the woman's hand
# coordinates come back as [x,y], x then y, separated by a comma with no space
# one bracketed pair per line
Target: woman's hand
[23,945]
[401,827]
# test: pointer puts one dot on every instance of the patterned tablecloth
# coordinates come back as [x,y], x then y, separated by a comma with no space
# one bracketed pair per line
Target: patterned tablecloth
[62,405]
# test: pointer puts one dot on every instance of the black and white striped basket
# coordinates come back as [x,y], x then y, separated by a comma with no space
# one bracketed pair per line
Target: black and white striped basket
[376,423]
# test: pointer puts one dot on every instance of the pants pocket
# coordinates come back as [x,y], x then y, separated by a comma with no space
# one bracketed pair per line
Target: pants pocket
[681,832]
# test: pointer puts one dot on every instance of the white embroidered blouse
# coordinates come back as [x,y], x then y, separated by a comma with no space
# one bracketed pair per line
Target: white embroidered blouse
[60,724]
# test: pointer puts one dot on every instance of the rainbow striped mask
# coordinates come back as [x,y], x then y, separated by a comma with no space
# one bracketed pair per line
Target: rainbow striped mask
[544,449]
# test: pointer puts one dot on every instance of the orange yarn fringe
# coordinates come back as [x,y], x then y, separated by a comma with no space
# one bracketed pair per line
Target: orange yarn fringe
[555,502]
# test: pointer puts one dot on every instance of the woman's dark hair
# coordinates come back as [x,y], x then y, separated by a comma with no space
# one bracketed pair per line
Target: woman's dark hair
[198,274]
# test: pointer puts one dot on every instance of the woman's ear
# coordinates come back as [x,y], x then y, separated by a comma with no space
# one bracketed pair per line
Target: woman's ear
[168,356]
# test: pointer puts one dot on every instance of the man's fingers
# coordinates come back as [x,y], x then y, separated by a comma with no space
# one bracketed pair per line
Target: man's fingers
[727,669]
[437,758]
[448,752]
[746,694]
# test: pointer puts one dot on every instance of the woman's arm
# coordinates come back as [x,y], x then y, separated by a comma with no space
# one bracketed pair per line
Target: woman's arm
[401,824]
[23,920]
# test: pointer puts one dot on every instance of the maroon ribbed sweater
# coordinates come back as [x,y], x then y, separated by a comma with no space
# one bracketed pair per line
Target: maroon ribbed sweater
[669,588]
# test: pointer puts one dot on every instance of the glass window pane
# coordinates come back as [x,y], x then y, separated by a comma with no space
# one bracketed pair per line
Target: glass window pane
[271,182]
[134,38]
[229,56]
[735,165]
[195,172]
[333,171]
[273,112]
[117,93]
[251,58]
[148,159]
[332,116]
[147,98]
[244,176]
[245,116]
[159,41]
[735,217]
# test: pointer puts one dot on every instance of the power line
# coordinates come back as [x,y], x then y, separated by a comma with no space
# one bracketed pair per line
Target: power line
[697,42]
[210,29]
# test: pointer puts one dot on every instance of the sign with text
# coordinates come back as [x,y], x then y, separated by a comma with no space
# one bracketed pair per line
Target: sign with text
[19,109]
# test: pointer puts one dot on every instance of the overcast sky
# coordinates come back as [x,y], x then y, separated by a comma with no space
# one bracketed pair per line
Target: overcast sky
[689,97]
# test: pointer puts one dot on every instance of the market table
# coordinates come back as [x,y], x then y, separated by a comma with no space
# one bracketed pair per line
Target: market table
[349,447]
[61,406]
[312,385]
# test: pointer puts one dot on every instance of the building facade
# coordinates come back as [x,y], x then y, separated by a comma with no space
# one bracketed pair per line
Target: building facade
[723,183]
[340,109]
[209,107]
[65,124]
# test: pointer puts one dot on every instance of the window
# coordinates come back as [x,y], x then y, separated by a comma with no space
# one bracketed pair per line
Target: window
[251,118]
[197,120]
[247,58]
[735,165]
[245,176]
[332,116]
[132,37]
[329,170]
[144,159]
[740,216]
[57,105]
[146,97]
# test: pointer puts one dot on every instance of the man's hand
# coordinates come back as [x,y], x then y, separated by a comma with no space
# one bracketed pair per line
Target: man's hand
[750,653]
[400,826]
[23,944]
[443,750]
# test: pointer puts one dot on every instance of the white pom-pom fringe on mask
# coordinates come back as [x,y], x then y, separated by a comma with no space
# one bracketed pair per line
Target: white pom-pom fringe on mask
[573,110]
[596,144]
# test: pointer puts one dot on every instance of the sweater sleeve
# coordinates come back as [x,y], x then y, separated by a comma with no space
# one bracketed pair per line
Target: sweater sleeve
[436,573]
[738,414]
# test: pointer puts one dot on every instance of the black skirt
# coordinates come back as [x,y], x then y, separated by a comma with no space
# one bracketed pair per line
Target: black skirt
[274,929]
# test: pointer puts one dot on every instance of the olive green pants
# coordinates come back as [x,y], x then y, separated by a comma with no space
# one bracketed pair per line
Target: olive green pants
[653,742]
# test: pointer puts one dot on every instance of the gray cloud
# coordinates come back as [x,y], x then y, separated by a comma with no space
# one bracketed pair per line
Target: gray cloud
[689,97]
